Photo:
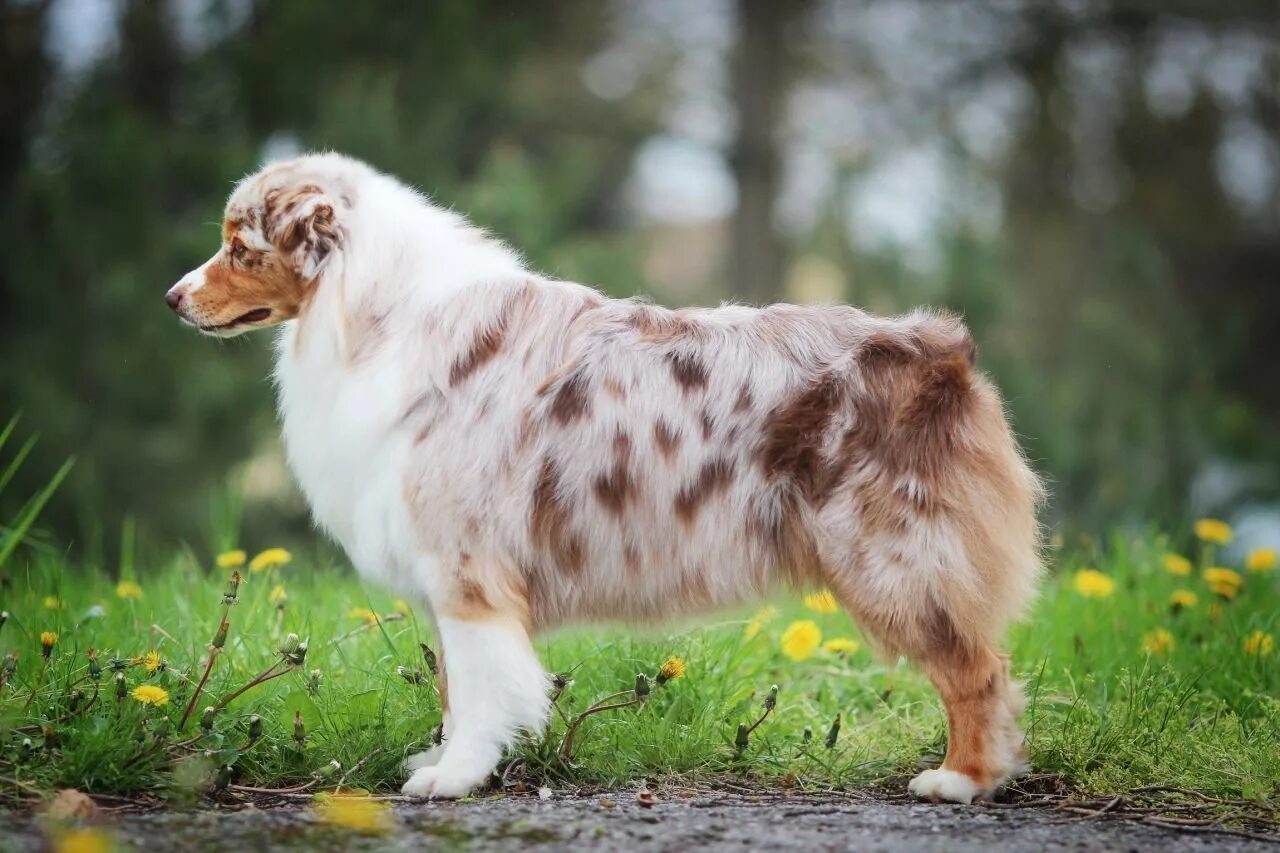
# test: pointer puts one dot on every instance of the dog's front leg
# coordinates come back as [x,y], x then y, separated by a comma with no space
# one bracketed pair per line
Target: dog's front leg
[496,688]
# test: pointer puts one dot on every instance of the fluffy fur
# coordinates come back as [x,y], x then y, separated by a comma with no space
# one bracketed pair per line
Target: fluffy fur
[519,452]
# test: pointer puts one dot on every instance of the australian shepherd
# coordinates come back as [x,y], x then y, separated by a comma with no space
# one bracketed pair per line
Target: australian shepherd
[518,452]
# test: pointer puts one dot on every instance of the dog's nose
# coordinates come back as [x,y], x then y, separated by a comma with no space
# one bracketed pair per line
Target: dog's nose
[174,298]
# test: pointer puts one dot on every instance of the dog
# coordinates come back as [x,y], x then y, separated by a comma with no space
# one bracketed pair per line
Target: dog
[519,452]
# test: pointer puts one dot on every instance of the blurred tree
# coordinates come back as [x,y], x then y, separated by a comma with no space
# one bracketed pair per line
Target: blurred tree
[117,186]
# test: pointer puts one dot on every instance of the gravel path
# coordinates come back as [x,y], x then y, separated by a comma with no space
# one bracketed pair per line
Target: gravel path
[704,822]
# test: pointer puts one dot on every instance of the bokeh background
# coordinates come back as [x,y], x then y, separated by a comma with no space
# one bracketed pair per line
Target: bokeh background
[1094,184]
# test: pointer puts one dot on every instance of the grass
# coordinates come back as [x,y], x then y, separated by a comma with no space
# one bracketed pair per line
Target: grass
[1104,712]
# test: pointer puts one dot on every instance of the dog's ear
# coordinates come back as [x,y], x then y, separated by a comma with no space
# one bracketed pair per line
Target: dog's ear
[303,224]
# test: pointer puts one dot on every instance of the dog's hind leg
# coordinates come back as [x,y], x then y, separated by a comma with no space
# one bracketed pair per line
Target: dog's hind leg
[984,743]
[496,687]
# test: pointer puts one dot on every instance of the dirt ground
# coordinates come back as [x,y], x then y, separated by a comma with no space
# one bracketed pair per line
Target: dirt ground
[618,821]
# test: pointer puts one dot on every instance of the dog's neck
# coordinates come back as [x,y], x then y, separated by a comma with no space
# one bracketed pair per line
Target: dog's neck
[401,260]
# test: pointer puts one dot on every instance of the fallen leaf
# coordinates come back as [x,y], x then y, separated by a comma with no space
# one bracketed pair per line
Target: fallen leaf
[70,804]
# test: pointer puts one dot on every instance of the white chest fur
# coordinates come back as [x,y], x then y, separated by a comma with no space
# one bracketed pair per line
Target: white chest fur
[342,444]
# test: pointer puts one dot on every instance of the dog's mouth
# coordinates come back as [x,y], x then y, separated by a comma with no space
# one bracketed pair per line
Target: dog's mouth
[257,315]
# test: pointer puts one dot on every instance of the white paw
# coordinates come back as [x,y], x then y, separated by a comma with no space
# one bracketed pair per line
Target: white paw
[944,784]
[435,783]
[428,758]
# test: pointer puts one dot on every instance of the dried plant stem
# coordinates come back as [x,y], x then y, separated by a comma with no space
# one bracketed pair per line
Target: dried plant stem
[767,711]
[390,617]
[266,675]
[605,704]
[195,696]
[215,646]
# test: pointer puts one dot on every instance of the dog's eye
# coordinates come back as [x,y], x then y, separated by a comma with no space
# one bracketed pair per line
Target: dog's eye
[238,250]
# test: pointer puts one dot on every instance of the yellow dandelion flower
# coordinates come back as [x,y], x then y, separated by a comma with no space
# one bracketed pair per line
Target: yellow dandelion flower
[821,602]
[151,660]
[671,669]
[1258,643]
[51,602]
[1158,642]
[840,646]
[83,841]
[277,594]
[1183,598]
[1261,560]
[1214,531]
[230,559]
[801,639]
[1176,564]
[355,812]
[128,589]
[149,694]
[1225,582]
[363,613]
[48,639]
[1093,584]
[400,606]
[269,559]
[758,621]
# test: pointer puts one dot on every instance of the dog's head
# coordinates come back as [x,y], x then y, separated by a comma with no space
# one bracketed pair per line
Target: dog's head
[281,229]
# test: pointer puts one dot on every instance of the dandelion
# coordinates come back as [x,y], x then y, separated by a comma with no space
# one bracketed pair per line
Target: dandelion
[149,694]
[1260,560]
[355,812]
[671,669]
[1259,643]
[363,613]
[400,606]
[1225,582]
[230,559]
[1176,564]
[1182,598]
[759,620]
[821,602]
[801,639]
[151,661]
[277,595]
[269,559]
[126,590]
[1158,642]
[83,841]
[51,602]
[1213,531]
[1093,584]
[48,639]
[842,646]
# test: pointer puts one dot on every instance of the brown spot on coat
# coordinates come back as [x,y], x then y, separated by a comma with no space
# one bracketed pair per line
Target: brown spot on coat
[666,438]
[571,401]
[795,434]
[615,487]
[688,370]
[713,478]
[744,400]
[484,346]
[550,521]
